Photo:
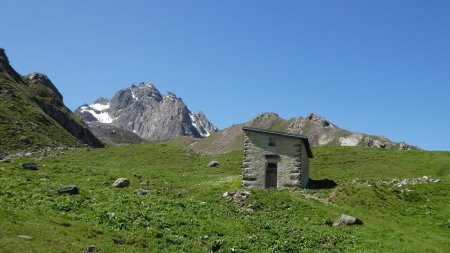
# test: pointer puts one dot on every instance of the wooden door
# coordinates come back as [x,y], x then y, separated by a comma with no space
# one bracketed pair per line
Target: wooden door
[271,176]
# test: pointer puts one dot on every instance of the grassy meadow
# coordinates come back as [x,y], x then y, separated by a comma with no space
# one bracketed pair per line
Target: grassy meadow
[185,210]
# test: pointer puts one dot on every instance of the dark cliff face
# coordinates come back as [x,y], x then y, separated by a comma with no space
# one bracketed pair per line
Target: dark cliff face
[33,115]
[50,100]
[6,70]
[142,109]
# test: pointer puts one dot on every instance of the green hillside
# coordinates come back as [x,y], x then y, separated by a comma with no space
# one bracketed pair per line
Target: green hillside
[23,125]
[33,115]
[185,210]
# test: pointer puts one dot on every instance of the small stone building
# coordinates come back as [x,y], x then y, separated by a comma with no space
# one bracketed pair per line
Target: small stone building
[275,159]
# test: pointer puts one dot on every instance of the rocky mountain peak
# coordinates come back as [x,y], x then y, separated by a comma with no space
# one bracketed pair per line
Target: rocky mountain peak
[35,79]
[142,109]
[266,116]
[3,57]
[5,67]
[319,120]
[101,100]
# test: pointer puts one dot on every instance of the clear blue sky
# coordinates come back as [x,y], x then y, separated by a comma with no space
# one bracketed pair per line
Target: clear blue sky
[377,67]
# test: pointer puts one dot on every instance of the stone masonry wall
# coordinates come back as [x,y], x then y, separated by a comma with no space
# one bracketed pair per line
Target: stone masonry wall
[292,165]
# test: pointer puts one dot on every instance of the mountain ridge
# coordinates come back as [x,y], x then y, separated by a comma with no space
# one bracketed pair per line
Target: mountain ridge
[320,132]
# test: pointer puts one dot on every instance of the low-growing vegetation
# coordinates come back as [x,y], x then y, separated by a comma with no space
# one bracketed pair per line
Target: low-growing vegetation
[185,210]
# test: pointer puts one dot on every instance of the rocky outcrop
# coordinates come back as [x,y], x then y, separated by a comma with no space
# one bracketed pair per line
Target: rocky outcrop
[50,100]
[141,109]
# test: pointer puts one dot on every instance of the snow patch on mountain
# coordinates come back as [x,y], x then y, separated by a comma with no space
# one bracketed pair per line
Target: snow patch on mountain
[98,112]
[203,129]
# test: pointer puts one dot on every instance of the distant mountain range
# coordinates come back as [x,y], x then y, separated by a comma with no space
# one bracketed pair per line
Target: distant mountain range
[33,115]
[319,131]
[142,110]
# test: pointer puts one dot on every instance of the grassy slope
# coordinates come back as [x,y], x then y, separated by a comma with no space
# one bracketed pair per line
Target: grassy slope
[185,212]
[21,119]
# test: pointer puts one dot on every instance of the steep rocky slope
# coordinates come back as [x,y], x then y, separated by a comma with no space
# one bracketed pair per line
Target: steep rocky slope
[142,109]
[319,131]
[33,115]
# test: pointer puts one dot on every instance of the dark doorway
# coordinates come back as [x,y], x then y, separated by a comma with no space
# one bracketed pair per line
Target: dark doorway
[271,176]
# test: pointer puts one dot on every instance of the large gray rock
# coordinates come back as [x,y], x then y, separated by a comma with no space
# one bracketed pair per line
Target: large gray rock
[346,220]
[89,249]
[141,109]
[213,164]
[121,182]
[29,166]
[72,190]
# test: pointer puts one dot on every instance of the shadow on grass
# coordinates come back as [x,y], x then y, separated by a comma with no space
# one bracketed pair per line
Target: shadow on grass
[321,184]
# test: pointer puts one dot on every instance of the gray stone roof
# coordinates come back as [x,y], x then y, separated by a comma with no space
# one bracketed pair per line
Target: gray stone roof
[304,138]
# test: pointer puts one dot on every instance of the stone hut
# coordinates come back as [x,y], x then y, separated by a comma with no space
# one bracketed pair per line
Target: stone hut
[275,160]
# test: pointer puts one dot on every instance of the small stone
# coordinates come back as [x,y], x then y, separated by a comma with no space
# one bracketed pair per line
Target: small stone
[142,192]
[435,180]
[203,203]
[145,183]
[121,182]
[249,210]
[29,166]
[346,220]
[24,236]
[306,218]
[89,249]
[72,190]
[137,175]
[213,164]
[225,194]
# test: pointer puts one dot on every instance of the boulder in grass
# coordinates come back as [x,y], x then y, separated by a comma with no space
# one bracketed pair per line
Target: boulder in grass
[121,183]
[29,166]
[346,220]
[89,249]
[213,164]
[142,192]
[72,190]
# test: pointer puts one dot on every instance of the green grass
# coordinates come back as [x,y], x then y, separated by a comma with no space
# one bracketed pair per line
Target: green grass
[185,210]
[23,125]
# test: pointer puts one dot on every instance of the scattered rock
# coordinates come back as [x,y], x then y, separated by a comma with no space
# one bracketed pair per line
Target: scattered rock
[29,166]
[213,164]
[72,190]
[89,249]
[249,210]
[121,182]
[24,236]
[145,183]
[346,220]
[238,197]
[25,140]
[10,93]
[137,175]
[409,181]
[306,218]
[142,192]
